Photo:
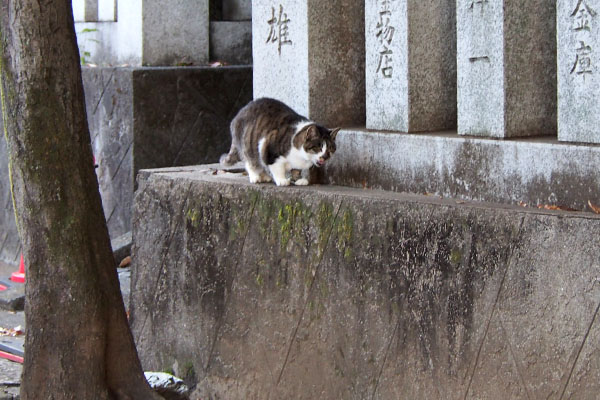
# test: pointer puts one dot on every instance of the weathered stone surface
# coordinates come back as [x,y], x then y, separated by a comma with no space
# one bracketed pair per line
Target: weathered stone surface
[109,106]
[237,10]
[578,33]
[506,59]
[231,42]
[121,247]
[182,115]
[335,293]
[167,385]
[536,171]
[10,245]
[175,33]
[411,65]
[310,55]
[157,117]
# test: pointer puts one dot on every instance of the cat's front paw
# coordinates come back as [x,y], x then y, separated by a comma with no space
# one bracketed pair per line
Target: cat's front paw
[282,182]
[301,182]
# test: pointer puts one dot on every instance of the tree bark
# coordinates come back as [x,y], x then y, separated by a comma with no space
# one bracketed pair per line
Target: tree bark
[78,343]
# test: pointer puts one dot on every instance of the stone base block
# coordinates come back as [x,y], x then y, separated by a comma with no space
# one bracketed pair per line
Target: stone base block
[256,291]
[539,171]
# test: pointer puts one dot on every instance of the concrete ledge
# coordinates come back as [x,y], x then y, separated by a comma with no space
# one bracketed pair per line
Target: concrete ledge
[534,171]
[256,292]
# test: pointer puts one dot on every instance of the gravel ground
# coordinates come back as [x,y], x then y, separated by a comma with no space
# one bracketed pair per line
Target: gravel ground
[10,371]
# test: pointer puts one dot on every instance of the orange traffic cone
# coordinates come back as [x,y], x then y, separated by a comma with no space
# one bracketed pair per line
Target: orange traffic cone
[20,275]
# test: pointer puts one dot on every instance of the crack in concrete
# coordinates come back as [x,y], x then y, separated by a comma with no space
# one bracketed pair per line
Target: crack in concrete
[230,289]
[164,257]
[579,350]
[488,323]
[387,351]
[112,178]
[185,139]
[429,225]
[310,289]
[514,357]
[111,214]
[234,108]
[103,91]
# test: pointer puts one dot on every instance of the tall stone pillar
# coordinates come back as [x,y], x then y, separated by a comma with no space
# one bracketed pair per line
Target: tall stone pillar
[578,33]
[310,55]
[410,64]
[506,59]
[175,32]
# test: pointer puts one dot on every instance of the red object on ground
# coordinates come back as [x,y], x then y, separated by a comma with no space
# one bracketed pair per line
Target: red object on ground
[11,357]
[20,275]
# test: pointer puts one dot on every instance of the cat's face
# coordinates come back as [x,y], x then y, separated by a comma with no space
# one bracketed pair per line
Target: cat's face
[320,144]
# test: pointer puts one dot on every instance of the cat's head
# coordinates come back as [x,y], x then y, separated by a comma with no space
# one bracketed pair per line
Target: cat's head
[319,144]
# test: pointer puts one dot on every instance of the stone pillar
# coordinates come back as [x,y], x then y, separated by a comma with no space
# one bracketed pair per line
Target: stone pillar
[506,59]
[410,64]
[310,55]
[175,32]
[578,33]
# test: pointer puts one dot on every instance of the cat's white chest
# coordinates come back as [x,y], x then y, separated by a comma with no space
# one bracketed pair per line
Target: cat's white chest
[297,159]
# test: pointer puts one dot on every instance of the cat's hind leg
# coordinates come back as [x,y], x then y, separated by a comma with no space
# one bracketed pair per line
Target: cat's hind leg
[228,159]
[257,175]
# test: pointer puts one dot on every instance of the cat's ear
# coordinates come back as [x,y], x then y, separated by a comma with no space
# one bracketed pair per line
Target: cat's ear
[312,132]
[333,133]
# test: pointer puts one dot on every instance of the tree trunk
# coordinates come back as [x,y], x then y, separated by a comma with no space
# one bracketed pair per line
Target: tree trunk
[78,343]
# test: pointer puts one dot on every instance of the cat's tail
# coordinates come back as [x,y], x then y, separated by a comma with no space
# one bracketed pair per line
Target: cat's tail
[230,158]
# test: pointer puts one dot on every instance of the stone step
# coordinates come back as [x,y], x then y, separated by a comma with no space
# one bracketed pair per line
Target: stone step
[257,291]
[535,171]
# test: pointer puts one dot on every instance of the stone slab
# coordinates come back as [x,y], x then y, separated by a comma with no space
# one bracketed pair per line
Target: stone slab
[410,65]
[578,30]
[175,34]
[109,106]
[10,245]
[182,115]
[237,10]
[157,117]
[535,171]
[330,292]
[310,55]
[506,68]
[231,42]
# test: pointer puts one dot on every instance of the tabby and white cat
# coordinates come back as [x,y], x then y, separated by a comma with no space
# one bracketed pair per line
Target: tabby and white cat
[272,139]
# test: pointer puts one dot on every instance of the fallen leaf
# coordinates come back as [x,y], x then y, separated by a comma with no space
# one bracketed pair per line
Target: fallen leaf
[16,331]
[594,208]
[555,208]
[125,262]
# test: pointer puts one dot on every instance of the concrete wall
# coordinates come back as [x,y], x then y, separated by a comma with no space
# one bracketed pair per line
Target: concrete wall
[255,291]
[152,33]
[10,245]
[157,117]
[114,43]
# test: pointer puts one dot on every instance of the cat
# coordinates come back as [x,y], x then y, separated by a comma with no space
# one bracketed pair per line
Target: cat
[272,139]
